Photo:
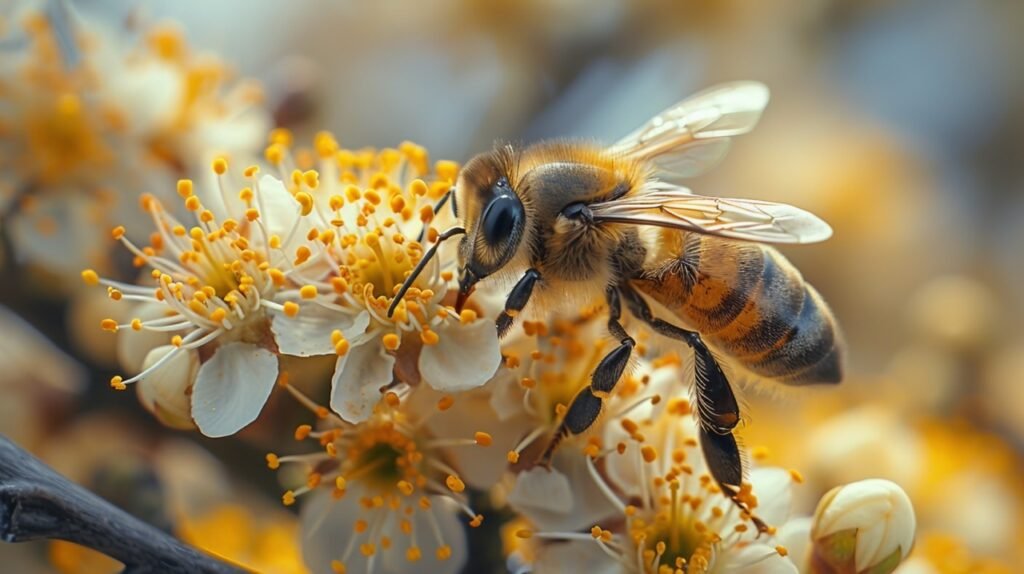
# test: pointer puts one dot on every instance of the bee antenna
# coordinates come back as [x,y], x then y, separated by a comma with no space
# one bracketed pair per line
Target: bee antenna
[458,230]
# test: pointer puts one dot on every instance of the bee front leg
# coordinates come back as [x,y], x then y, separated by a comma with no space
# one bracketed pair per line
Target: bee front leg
[586,405]
[516,301]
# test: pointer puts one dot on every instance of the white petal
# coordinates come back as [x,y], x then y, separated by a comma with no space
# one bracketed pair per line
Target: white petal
[588,504]
[232,387]
[479,467]
[358,378]
[774,490]
[574,556]
[465,357]
[327,526]
[72,238]
[309,333]
[795,535]
[756,559]
[541,489]
[164,392]
[280,210]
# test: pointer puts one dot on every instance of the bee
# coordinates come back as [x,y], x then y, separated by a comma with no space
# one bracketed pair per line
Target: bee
[570,221]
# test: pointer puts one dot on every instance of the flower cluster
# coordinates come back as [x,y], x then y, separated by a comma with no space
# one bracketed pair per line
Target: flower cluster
[89,123]
[301,257]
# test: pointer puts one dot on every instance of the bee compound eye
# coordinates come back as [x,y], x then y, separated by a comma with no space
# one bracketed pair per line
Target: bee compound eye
[502,218]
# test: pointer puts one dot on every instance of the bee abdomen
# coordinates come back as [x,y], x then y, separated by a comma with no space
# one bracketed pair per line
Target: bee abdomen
[784,329]
[748,302]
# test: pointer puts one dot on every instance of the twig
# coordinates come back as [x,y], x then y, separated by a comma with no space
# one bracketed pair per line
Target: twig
[36,502]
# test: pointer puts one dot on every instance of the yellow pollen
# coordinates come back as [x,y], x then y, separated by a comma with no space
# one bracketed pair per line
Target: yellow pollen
[390,341]
[109,325]
[338,567]
[429,337]
[446,170]
[524,533]
[274,153]
[308,292]
[782,550]
[413,554]
[512,457]
[311,178]
[251,171]
[288,498]
[341,347]
[90,277]
[596,532]
[467,316]
[302,432]
[273,462]
[118,232]
[136,324]
[796,476]
[114,294]
[306,201]
[360,526]
[405,487]
[220,166]
[176,340]
[392,399]
[185,187]
[302,254]
[476,521]
[445,403]
[291,308]
[444,552]
[648,452]
[367,549]
[418,188]
[455,483]
[483,439]
[116,384]
[193,203]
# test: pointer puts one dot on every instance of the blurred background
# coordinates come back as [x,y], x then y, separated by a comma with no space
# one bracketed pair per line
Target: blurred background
[900,122]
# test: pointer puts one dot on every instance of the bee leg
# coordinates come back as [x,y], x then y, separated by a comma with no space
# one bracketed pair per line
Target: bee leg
[718,411]
[517,300]
[586,405]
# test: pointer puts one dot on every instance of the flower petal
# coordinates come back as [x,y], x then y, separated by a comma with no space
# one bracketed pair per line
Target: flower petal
[232,387]
[795,535]
[542,489]
[465,357]
[164,392]
[358,378]
[774,490]
[574,556]
[309,333]
[327,528]
[757,559]
[587,504]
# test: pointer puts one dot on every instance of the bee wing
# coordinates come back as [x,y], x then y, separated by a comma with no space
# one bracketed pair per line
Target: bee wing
[664,205]
[693,135]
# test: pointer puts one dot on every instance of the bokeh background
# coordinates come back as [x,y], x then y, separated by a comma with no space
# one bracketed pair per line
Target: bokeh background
[901,122]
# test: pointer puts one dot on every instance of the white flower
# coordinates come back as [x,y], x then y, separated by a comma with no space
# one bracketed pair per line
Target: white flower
[668,513]
[380,495]
[90,122]
[212,296]
[368,213]
[865,526]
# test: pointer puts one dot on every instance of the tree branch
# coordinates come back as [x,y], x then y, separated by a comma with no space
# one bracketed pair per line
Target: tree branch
[36,502]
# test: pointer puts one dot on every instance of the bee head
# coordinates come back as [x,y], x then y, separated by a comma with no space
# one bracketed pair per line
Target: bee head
[493,214]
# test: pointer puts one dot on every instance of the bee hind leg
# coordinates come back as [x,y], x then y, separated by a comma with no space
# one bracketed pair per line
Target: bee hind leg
[586,405]
[718,411]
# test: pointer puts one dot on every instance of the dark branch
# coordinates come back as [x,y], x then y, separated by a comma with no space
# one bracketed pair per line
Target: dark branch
[36,502]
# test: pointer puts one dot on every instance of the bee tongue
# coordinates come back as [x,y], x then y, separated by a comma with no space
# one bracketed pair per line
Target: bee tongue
[466,286]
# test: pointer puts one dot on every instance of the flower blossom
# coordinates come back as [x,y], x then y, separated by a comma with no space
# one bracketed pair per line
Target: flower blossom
[384,494]
[89,122]
[369,216]
[663,510]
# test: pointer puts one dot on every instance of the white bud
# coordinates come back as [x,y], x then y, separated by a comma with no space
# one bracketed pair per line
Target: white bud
[166,391]
[865,527]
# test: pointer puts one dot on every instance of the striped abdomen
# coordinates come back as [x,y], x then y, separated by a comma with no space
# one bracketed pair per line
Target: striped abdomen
[748,302]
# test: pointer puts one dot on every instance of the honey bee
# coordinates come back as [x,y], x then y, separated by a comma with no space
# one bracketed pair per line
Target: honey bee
[572,221]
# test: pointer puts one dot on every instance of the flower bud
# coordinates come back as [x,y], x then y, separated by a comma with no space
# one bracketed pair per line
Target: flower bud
[166,392]
[865,527]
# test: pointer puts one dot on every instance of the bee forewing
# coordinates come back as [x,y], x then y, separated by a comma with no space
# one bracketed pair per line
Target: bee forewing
[680,140]
[745,219]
